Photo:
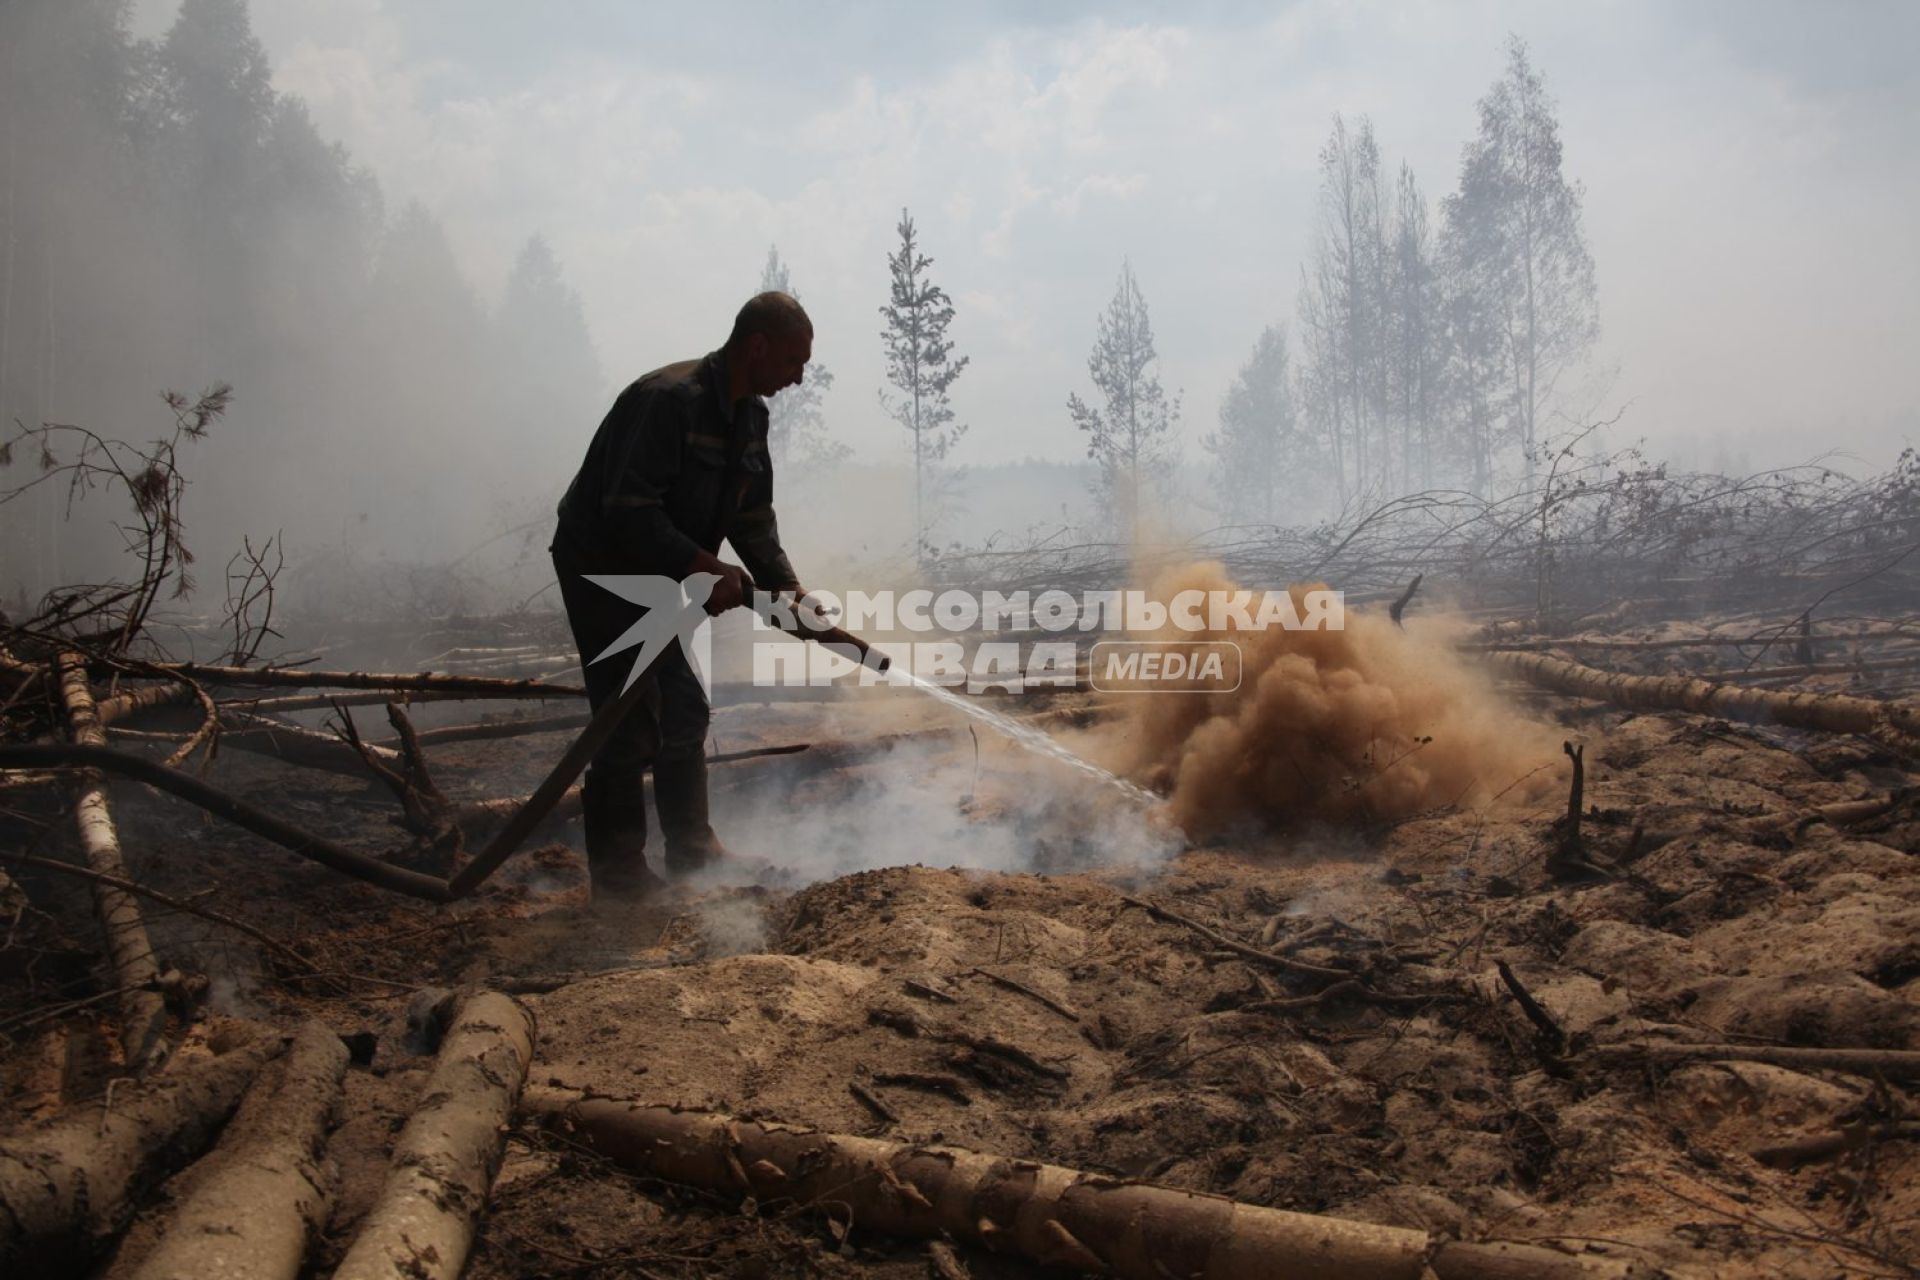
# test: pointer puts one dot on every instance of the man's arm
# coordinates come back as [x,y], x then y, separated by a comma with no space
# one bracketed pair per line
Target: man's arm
[755,536]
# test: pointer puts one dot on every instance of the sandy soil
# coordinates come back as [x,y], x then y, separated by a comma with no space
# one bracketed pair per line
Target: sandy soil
[1056,1020]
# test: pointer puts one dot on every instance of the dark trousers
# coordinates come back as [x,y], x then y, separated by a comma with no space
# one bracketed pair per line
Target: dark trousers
[667,728]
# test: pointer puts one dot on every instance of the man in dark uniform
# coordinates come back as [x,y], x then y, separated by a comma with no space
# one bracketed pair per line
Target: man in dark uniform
[679,464]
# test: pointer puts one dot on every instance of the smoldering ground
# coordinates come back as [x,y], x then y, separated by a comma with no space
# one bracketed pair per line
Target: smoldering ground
[928,804]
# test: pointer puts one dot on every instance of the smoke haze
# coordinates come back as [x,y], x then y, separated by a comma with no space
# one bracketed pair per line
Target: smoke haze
[427,242]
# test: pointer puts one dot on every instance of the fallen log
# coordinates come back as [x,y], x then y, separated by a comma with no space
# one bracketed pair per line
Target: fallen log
[68,1186]
[1286,964]
[524,820]
[489,729]
[143,1011]
[1052,1215]
[480,816]
[1616,644]
[424,681]
[217,802]
[406,697]
[152,697]
[1828,712]
[1841,813]
[445,1159]
[134,701]
[1892,1062]
[261,1195]
[1804,669]
[1824,1146]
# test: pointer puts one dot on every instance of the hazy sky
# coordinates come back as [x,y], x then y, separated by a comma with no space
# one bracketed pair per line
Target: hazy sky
[1752,177]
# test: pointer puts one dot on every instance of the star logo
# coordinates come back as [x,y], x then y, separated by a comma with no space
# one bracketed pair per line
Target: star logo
[673,610]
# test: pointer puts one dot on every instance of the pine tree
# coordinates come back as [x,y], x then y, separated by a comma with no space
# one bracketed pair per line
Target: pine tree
[796,422]
[922,368]
[543,326]
[1258,453]
[215,100]
[1132,432]
[549,373]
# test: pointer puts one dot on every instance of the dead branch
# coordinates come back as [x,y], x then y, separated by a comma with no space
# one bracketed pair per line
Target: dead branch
[1039,997]
[1360,993]
[865,1097]
[422,682]
[1618,644]
[1286,963]
[167,900]
[143,1012]
[908,1023]
[1842,813]
[518,826]
[1890,1062]
[1399,607]
[222,805]
[1824,1146]
[1553,1037]
[1568,858]
[541,984]
[70,1185]
[491,729]
[946,1086]
[446,1156]
[261,1195]
[255,588]
[1821,669]
[479,816]
[1051,1215]
[425,810]
[380,697]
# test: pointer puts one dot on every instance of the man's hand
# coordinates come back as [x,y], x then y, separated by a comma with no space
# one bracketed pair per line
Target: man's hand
[809,607]
[728,593]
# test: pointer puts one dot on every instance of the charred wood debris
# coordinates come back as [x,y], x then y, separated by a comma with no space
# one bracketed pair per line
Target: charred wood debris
[1785,600]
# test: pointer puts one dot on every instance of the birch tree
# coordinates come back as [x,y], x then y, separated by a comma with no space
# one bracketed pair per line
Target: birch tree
[1341,298]
[1523,221]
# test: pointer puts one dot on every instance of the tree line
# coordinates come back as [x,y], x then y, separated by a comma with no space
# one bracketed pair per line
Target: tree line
[165,214]
[162,208]
[1425,351]
[1424,356]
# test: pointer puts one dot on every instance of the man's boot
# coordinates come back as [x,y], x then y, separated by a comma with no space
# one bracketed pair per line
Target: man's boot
[680,793]
[613,813]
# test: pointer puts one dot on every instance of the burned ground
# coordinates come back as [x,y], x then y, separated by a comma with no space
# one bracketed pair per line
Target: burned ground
[1335,1037]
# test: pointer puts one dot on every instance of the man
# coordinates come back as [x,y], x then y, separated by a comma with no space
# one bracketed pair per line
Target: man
[679,464]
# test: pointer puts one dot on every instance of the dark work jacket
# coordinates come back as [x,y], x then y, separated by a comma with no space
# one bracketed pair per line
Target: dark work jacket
[674,468]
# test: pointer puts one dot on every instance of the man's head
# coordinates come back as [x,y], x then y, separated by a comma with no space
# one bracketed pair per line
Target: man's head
[772,341]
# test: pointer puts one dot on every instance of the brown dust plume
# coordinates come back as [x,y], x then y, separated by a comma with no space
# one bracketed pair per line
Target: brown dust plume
[1348,727]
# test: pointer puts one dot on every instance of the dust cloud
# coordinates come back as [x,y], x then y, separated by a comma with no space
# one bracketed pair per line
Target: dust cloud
[1356,726]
